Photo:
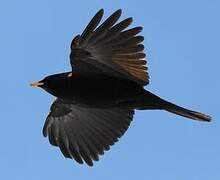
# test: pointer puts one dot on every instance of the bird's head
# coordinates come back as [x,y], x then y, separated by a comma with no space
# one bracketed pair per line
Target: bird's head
[54,84]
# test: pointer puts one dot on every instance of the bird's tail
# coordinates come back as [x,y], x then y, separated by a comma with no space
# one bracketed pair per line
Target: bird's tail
[186,113]
[152,101]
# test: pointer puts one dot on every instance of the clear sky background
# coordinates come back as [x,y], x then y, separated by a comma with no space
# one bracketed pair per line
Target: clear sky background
[182,44]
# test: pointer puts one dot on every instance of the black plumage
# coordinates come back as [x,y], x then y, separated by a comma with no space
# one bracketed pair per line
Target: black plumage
[95,102]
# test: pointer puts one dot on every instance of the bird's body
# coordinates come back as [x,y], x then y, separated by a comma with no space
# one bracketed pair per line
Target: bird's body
[96,91]
[95,102]
[104,91]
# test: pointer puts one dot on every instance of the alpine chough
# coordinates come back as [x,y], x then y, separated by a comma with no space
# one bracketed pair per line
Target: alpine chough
[95,102]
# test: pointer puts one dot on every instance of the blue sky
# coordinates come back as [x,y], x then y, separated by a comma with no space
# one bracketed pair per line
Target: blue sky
[182,44]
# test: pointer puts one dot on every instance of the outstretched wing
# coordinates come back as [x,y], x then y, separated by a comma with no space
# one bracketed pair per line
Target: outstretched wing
[84,133]
[110,49]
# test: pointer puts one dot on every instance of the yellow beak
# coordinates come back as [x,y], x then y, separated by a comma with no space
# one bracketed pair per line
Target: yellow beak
[37,84]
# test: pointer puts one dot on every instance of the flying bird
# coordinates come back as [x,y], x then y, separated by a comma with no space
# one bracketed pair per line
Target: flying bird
[96,101]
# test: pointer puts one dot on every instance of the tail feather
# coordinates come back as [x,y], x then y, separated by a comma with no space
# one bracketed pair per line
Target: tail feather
[187,113]
[151,101]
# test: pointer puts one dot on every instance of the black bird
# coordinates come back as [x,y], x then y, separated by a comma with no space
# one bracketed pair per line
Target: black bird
[95,102]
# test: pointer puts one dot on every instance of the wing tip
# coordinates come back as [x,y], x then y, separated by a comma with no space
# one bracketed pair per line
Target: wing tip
[119,11]
[116,14]
[44,133]
[130,20]
[100,11]
[141,28]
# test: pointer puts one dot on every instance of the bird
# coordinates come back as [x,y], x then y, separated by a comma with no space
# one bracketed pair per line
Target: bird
[95,102]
